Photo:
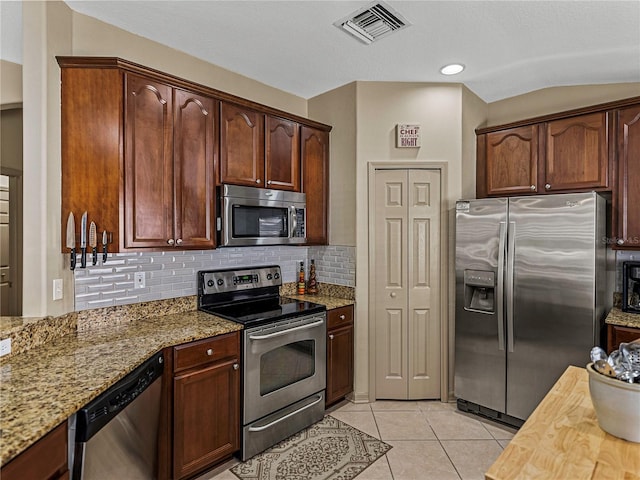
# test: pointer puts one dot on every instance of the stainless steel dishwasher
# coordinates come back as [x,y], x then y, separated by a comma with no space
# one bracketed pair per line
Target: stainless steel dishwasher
[116,434]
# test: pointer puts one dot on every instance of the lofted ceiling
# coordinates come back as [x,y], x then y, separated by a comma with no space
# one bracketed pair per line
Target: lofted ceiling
[508,47]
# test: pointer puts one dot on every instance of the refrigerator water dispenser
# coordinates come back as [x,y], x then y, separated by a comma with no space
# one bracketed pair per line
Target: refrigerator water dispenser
[479,291]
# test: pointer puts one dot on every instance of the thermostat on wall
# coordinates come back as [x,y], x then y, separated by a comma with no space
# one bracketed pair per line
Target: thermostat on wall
[407,136]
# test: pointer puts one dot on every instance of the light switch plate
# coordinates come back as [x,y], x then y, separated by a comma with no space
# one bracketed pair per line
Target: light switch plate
[5,347]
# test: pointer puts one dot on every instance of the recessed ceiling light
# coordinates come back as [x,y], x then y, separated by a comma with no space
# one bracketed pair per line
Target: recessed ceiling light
[452,69]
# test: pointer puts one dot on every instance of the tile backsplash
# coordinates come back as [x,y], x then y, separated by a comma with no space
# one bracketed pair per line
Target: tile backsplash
[173,274]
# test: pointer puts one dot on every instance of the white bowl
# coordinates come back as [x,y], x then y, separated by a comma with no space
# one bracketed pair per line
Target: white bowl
[617,405]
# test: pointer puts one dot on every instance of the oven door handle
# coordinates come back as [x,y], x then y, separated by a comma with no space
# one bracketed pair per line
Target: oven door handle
[285,332]
[295,412]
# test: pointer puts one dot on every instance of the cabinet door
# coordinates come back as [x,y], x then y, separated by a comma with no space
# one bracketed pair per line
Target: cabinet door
[576,154]
[339,353]
[315,183]
[339,363]
[148,163]
[206,412]
[628,215]
[283,154]
[46,459]
[194,160]
[512,161]
[241,146]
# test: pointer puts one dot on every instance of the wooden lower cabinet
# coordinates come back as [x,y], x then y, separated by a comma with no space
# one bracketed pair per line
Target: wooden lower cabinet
[617,334]
[202,411]
[339,354]
[44,460]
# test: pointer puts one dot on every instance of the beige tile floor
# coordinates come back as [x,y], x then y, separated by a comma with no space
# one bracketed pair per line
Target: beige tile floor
[430,440]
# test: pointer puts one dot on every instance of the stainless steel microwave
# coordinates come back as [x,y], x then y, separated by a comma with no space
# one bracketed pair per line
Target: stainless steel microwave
[260,216]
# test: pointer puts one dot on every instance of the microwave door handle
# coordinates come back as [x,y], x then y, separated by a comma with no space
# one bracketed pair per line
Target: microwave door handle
[293,224]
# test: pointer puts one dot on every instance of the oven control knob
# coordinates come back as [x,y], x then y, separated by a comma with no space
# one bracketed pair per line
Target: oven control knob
[220,282]
[269,276]
[210,283]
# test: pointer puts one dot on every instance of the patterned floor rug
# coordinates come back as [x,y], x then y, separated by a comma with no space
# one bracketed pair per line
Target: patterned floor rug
[327,450]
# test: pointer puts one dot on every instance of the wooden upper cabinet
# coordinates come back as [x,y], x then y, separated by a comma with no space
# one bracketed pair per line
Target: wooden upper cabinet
[91,137]
[628,148]
[148,165]
[241,145]
[282,158]
[194,169]
[169,166]
[576,154]
[314,149]
[511,159]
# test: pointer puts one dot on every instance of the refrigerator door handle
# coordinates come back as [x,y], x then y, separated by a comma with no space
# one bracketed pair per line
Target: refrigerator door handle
[511,243]
[500,284]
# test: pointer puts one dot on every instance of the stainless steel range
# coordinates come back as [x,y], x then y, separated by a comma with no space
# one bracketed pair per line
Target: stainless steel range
[284,352]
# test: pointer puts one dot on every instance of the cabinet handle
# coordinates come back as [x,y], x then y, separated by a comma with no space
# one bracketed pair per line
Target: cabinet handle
[210,351]
[179,241]
[342,317]
[236,366]
[331,336]
[258,180]
[268,182]
[393,294]
[532,188]
[547,186]
[620,241]
[170,241]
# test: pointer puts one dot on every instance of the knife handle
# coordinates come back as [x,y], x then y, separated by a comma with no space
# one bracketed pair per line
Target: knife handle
[94,253]
[72,259]
[104,253]
[83,257]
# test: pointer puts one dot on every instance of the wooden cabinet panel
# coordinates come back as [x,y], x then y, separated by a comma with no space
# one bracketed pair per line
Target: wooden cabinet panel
[91,136]
[576,153]
[194,170]
[340,337]
[282,159]
[617,334]
[44,460]
[315,182]
[628,214]
[205,351]
[206,417]
[202,405]
[241,145]
[148,163]
[512,161]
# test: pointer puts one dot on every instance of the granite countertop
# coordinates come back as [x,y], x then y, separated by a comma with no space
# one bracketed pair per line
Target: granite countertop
[42,387]
[562,439]
[617,317]
[67,366]
[329,302]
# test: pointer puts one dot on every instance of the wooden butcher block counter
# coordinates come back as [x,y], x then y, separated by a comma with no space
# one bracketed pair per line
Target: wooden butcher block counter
[562,440]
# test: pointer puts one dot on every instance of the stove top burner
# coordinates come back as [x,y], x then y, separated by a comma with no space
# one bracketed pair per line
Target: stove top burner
[253,313]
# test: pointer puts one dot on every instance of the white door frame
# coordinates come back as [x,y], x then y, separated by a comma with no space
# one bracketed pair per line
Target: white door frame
[444,270]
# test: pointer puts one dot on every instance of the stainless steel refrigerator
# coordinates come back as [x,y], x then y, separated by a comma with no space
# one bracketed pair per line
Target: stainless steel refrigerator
[533,284]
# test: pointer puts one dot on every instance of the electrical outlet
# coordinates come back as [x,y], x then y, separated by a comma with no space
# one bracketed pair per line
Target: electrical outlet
[5,347]
[138,280]
[57,289]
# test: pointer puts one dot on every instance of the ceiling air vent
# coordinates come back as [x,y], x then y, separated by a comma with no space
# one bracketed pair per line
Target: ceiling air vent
[372,22]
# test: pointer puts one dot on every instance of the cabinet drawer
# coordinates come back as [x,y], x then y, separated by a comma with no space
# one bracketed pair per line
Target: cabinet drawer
[205,351]
[339,317]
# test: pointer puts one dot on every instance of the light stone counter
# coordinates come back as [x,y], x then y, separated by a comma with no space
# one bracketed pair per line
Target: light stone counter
[624,319]
[329,302]
[42,387]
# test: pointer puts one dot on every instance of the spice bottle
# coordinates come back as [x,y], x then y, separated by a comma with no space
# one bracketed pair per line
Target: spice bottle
[312,285]
[301,287]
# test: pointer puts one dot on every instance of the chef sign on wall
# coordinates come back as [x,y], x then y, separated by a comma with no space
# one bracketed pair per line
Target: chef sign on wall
[407,136]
